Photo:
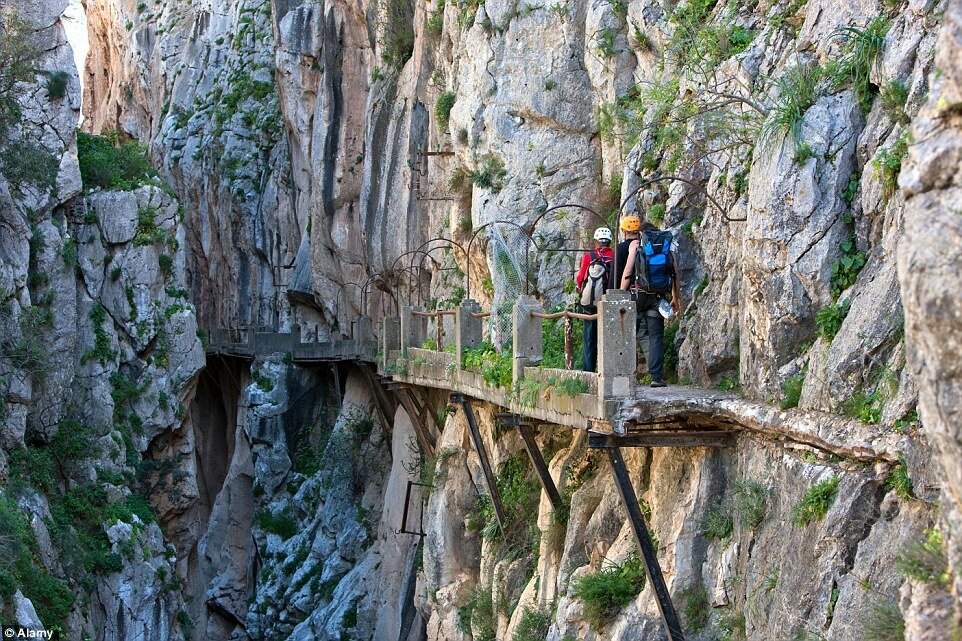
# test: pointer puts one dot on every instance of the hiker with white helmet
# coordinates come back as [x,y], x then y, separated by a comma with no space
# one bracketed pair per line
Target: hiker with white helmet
[592,281]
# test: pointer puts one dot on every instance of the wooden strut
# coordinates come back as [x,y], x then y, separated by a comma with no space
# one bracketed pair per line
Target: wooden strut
[656,579]
[482,456]
[537,460]
[424,437]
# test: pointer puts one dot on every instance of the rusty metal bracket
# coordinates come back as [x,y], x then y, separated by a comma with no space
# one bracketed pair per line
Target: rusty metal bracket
[656,579]
[407,505]
[486,470]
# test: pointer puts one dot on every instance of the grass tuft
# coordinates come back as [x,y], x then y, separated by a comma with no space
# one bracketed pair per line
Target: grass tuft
[816,502]
[924,561]
[797,91]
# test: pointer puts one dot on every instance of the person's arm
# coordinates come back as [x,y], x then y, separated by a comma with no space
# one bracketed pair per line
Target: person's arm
[676,286]
[629,265]
[583,271]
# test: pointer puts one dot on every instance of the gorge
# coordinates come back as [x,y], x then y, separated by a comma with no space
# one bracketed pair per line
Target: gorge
[253,250]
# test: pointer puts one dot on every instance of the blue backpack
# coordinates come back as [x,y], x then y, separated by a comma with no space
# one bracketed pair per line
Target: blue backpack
[654,268]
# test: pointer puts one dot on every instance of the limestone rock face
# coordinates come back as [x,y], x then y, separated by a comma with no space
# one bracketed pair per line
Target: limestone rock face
[928,258]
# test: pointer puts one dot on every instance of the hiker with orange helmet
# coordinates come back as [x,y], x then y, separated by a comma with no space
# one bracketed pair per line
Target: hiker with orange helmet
[648,258]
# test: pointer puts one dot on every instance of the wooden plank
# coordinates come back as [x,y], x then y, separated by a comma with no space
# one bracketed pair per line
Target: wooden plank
[669,618]
[664,439]
[424,439]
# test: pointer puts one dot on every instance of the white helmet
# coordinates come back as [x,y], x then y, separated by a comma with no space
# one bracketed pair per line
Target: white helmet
[603,233]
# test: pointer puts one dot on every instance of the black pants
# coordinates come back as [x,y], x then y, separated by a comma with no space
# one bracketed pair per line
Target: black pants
[650,334]
[589,344]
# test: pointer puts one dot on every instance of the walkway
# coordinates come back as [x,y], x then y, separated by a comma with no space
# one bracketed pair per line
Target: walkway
[609,404]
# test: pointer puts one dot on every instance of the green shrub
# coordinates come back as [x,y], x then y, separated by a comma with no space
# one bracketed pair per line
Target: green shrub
[282,523]
[605,43]
[108,163]
[894,96]
[19,545]
[846,269]
[749,500]
[924,561]
[610,589]
[899,479]
[27,162]
[572,387]
[19,51]
[865,407]
[656,214]
[888,164]
[718,522]
[797,91]
[883,622]
[57,84]
[495,368]
[101,350]
[166,264]
[397,43]
[816,502]
[859,55]
[443,107]
[829,319]
[477,616]
[697,608]
[792,391]
[533,625]
[732,624]
[489,174]
[848,194]
[435,22]
[264,383]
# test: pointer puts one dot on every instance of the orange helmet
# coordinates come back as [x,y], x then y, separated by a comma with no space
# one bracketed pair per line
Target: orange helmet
[630,223]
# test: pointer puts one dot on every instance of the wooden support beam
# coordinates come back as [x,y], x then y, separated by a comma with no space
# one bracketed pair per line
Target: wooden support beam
[384,401]
[424,438]
[656,579]
[537,460]
[663,438]
[488,473]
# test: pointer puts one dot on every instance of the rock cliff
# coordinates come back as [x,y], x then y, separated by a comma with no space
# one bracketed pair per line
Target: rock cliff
[268,164]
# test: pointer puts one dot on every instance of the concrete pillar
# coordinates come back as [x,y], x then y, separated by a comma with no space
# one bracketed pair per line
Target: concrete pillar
[296,334]
[414,329]
[616,345]
[390,338]
[468,331]
[363,329]
[527,335]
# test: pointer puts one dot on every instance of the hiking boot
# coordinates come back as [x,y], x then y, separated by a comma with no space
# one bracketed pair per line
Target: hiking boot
[658,383]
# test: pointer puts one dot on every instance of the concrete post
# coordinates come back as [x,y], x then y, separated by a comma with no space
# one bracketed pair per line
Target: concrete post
[616,345]
[363,329]
[390,338]
[413,329]
[467,329]
[527,336]
[296,335]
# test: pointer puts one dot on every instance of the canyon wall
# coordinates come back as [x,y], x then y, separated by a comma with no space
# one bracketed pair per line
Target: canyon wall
[805,154]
